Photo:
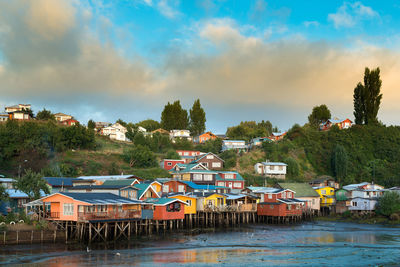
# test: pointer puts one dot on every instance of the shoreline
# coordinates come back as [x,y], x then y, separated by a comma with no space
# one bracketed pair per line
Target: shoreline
[368,220]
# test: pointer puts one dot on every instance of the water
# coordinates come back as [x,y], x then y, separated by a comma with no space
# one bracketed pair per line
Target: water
[311,244]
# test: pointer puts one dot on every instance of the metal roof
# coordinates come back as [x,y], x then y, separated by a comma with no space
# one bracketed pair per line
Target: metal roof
[101,187]
[163,201]
[15,193]
[60,181]
[108,177]
[268,163]
[122,182]
[100,198]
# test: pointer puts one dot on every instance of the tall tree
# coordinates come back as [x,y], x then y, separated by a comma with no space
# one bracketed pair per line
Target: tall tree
[91,124]
[149,125]
[32,183]
[174,117]
[339,162]
[45,115]
[319,114]
[358,101]
[197,123]
[372,95]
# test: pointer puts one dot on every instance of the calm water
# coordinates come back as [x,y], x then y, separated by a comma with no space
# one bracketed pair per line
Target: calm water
[311,244]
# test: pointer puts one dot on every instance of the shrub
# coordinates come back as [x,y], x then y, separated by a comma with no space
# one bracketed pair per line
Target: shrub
[388,204]
[395,217]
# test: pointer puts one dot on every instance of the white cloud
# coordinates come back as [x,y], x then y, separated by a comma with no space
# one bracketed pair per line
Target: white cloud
[348,15]
[311,23]
[168,8]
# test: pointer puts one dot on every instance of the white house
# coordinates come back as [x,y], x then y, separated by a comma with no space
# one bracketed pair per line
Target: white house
[180,134]
[115,132]
[62,117]
[3,117]
[19,107]
[234,144]
[364,196]
[271,169]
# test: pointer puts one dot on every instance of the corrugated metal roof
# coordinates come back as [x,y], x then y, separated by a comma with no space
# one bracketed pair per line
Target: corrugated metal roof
[60,181]
[122,182]
[100,198]
[269,163]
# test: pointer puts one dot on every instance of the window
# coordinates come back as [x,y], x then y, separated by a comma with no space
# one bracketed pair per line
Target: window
[269,196]
[169,163]
[174,207]
[284,195]
[81,208]
[68,209]
[216,164]
[210,157]
[189,202]
[237,185]
[186,153]
[197,177]
[289,207]
[166,188]
[272,168]
[289,195]
[208,177]
[354,204]
[323,192]
[181,188]
[221,184]
[102,208]
[313,201]
[281,168]
[229,176]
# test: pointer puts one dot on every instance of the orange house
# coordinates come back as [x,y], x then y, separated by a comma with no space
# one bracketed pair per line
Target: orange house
[167,208]
[202,138]
[91,206]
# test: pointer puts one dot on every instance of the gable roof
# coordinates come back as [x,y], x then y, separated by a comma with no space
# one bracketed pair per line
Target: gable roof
[301,189]
[143,188]
[99,198]
[238,176]
[205,156]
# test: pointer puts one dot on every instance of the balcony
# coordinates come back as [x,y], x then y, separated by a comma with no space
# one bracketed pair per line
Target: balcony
[53,215]
[109,215]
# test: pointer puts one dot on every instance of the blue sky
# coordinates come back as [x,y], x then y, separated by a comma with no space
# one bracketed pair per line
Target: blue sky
[245,60]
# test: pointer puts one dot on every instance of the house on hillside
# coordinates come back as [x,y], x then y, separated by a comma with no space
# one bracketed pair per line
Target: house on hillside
[70,122]
[181,134]
[4,117]
[168,164]
[202,138]
[230,179]
[277,136]
[305,193]
[238,145]
[342,124]
[210,160]
[258,141]
[188,155]
[271,169]
[19,112]
[7,183]
[60,117]
[99,125]
[115,132]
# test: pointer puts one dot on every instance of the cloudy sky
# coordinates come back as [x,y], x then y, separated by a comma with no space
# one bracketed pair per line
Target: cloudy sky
[245,60]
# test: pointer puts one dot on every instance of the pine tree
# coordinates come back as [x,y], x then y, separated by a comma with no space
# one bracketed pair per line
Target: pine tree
[339,162]
[372,97]
[174,117]
[197,123]
[358,101]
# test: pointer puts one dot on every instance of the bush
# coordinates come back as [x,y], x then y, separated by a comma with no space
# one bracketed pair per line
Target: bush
[388,204]
[140,157]
[346,214]
[395,217]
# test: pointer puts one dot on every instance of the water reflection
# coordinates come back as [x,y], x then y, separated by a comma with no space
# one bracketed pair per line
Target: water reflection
[313,244]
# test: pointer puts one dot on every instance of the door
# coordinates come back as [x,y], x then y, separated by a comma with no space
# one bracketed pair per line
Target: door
[230,184]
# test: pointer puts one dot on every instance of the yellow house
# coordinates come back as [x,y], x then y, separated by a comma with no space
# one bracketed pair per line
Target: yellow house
[209,200]
[327,195]
[191,207]
[157,186]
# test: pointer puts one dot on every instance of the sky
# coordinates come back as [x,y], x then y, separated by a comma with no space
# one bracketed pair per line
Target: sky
[245,60]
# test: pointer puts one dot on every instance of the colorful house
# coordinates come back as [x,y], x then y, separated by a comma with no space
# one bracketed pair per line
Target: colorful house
[305,193]
[91,207]
[210,161]
[280,203]
[202,138]
[327,196]
[238,145]
[70,122]
[209,201]
[342,124]
[242,202]
[277,136]
[167,208]
[191,202]
[230,179]
[168,164]
[188,155]
[363,197]
[342,200]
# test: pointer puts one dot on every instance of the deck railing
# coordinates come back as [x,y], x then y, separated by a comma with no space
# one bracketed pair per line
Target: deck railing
[125,214]
[53,215]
